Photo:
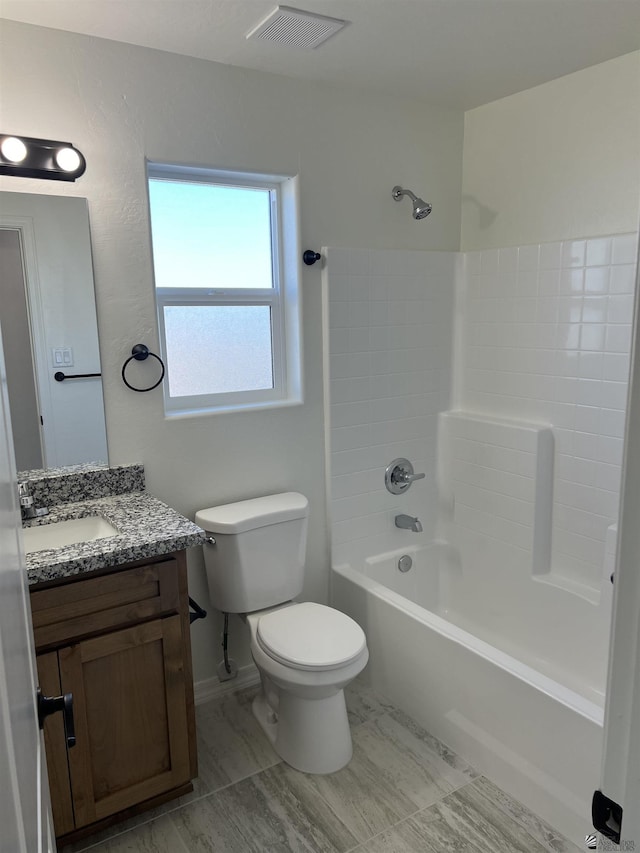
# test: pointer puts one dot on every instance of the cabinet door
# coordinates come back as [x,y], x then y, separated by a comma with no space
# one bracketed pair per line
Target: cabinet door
[131,717]
[56,747]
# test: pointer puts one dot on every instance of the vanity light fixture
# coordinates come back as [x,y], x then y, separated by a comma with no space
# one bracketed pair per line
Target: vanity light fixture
[26,157]
[13,149]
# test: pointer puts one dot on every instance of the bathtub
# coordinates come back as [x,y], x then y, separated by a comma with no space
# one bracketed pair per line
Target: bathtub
[533,726]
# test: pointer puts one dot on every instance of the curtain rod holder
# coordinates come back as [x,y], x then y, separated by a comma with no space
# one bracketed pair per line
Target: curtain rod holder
[310,257]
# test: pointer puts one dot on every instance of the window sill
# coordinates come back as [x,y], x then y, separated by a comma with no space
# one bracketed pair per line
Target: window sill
[181,414]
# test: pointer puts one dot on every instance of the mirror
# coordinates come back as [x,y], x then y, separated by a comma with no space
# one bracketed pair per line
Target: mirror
[49,327]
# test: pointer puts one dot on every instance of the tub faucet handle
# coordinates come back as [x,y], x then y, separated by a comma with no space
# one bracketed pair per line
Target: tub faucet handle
[399,475]
[405,477]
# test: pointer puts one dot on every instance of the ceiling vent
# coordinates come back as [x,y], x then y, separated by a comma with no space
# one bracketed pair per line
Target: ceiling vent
[296,28]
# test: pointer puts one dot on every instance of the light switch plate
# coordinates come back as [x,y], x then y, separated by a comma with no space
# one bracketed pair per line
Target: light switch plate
[62,356]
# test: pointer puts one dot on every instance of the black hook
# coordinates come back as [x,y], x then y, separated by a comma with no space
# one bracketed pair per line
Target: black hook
[310,257]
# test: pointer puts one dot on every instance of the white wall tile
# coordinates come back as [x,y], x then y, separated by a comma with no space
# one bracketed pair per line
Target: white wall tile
[592,337]
[615,366]
[618,339]
[622,279]
[527,282]
[550,256]
[546,333]
[568,363]
[612,422]
[528,258]
[591,365]
[572,280]
[620,308]
[598,251]
[594,308]
[596,280]
[396,354]
[625,249]
[573,253]
[489,262]
[548,282]
[586,418]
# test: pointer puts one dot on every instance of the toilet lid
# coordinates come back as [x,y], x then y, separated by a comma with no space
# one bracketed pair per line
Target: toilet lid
[310,636]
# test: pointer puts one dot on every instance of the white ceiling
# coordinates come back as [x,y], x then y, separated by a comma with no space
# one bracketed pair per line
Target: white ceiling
[459,53]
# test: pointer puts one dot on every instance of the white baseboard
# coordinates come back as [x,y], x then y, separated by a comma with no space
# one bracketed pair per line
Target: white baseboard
[213,688]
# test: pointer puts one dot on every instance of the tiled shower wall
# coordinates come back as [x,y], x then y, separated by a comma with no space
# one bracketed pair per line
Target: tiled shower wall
[390,345]
[545,336]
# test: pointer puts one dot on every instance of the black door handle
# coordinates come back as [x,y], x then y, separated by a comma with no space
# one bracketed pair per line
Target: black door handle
[51,705]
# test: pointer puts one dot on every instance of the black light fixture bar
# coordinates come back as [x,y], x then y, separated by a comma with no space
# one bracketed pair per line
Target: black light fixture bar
[26,157]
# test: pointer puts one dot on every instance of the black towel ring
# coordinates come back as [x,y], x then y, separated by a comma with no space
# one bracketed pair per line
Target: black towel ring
[140,352]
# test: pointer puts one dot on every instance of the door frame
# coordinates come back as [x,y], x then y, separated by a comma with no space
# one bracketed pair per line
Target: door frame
[620,773]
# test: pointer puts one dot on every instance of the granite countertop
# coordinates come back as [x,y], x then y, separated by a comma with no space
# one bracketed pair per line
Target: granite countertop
[147,528]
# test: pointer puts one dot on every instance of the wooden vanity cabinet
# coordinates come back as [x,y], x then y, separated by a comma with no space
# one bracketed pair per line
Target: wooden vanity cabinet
[119,642]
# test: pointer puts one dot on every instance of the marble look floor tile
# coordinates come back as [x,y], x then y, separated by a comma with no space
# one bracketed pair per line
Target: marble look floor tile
[403,792]
[447,755]
[231,744]
[381,785]
[363,704]
[411,760]
[478,818]
[464,822]
[544,834]
[158,836]
[262,813]
[396,770]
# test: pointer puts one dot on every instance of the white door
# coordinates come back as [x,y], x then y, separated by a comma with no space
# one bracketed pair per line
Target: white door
[25,823]
[620,778]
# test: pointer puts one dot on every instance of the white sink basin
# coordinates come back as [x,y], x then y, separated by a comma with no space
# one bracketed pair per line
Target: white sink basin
[60,533]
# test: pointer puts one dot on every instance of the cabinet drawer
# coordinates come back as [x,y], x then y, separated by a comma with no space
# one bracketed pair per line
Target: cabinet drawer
[94,605]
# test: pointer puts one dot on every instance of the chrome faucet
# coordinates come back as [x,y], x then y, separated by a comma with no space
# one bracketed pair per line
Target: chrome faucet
[27,507]
[408,522]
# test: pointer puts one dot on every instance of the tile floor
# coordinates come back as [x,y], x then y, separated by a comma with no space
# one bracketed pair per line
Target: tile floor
[403,792]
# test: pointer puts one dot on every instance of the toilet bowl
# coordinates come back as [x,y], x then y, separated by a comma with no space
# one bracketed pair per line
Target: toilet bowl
[306,654]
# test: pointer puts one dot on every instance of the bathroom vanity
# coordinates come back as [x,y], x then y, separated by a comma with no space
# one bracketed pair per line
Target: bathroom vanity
[111,627]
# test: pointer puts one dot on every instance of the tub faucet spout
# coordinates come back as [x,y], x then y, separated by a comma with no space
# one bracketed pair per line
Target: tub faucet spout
[408,522]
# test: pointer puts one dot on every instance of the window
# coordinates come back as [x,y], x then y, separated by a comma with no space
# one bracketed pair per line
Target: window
[225,254]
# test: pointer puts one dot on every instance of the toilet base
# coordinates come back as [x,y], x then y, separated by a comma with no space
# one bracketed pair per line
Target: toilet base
[311,735]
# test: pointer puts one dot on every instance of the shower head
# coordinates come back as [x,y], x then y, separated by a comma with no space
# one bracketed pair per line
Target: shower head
[421,208]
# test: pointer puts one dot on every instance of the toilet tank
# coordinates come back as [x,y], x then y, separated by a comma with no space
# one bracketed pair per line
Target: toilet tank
[258,557]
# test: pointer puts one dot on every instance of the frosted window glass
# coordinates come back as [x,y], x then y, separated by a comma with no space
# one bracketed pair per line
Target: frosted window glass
[217,349]
[212,236]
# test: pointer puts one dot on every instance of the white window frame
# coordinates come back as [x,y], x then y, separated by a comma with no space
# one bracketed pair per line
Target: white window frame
[284,298]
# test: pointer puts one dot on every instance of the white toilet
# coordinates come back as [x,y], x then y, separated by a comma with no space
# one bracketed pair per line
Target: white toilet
[306,653]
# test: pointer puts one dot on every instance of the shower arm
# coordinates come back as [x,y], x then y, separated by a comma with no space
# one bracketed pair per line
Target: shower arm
[398,192]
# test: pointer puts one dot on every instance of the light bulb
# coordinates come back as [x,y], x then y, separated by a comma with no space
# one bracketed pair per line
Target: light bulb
[13,149]
[67,159]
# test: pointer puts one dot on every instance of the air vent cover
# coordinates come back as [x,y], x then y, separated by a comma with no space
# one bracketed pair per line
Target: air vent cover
[296,28]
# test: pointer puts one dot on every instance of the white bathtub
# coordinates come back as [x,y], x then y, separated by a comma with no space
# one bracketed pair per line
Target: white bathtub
[532,725]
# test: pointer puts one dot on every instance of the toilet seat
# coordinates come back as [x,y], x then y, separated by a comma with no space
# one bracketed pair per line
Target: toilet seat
[310,636]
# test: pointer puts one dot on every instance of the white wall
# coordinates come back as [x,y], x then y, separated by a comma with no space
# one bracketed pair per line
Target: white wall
[120,104]
[556,161]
